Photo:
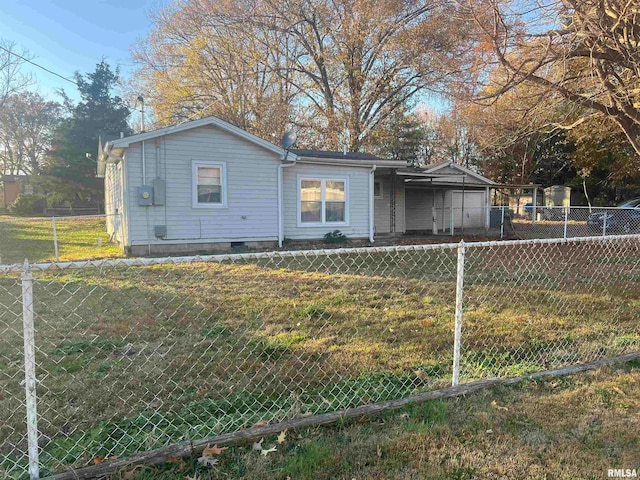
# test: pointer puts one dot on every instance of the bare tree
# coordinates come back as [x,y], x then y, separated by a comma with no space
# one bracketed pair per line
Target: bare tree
[336,68]
[585,51]
[12,79]
[26,124]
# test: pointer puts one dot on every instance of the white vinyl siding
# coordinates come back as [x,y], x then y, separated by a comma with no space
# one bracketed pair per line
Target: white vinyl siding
[114,196]
[251,211]
[420,202]
[356,194]
[382,206]
[323,201]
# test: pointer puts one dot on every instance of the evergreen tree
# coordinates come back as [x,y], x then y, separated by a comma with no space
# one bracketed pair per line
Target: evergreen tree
[70,176]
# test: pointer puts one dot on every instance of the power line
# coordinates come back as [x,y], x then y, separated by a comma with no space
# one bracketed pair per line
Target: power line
[37,65]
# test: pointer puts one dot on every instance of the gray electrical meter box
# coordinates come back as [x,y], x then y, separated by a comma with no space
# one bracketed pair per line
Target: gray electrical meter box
[159,188]
[145,196]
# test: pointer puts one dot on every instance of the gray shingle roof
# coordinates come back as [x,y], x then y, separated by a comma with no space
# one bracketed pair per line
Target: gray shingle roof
[328,154]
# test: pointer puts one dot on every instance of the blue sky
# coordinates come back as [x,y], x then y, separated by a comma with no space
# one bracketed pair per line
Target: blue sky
[73,35]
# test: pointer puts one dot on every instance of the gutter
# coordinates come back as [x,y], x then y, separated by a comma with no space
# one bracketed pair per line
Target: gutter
[352,163]
[280,195]
[371,200]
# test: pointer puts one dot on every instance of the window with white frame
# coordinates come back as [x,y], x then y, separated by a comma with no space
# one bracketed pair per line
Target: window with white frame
[323,201]
[209,184]
[377,189]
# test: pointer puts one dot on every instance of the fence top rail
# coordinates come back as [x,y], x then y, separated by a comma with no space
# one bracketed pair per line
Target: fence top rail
[57,217]
[133,262]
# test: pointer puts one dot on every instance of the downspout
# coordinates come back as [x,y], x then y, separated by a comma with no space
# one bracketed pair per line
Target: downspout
[280,195]
[371,200]
[144,166]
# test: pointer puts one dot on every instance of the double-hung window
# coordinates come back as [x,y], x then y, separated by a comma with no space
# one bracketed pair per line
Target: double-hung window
[209,184]
[377,189]
[323,201]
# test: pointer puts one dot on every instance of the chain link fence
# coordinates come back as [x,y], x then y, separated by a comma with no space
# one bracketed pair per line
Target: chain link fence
[137,354]
[529,223]
[41,239]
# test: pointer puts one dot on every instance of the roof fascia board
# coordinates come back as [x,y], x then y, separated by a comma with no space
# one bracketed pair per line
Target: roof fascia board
[127,141]
[465,170]
[351,162]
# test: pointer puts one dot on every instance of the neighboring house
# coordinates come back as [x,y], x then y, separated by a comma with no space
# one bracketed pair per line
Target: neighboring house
[207,185]
[11,186]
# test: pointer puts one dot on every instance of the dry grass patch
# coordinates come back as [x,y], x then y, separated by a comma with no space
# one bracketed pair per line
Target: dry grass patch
[132,358]
[558,428]
[32,238]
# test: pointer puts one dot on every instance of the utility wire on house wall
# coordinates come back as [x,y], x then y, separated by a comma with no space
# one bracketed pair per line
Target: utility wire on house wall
[37,65]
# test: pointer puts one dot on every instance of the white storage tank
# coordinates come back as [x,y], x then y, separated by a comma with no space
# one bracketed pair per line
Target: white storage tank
[557,196]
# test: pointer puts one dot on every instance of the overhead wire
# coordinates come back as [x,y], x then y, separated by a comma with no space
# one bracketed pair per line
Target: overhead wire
[38,65]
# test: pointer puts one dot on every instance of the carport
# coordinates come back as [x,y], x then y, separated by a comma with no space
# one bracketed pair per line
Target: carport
[441,199]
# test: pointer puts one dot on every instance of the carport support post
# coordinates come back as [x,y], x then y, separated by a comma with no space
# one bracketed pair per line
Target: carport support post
[55,238]
[30,371]
[451,221]
[434,221]
[535,204]
[457,339]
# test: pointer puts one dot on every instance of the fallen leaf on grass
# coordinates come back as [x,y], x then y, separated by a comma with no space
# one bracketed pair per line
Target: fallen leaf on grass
[261,423]
[378,451]
[208,461]
[495,404]
[258,445]
[98,460]
[131,474]
[268,451]
[215,450]
[195,477]
[282,437]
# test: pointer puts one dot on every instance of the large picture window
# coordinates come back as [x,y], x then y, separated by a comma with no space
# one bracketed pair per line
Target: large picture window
[323,201]
[209,184]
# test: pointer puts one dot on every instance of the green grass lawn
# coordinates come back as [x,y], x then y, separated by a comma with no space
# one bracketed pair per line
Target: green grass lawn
[32,238]
[574,427]
[133,358]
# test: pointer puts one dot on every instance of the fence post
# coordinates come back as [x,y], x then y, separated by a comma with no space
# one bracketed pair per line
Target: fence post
[502,222]
[30,371]
[566,221]
[457,339]
[605,217]
[55,238]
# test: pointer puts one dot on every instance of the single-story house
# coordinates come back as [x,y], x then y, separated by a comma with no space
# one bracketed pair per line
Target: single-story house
[207,185]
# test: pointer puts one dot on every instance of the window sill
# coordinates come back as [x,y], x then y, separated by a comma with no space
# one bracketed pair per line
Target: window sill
[320,224]
[211,205]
